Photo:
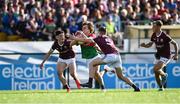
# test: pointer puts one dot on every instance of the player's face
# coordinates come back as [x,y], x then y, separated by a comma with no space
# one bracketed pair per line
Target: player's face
[85,30]
[60,37]
[101,33]
[155,28]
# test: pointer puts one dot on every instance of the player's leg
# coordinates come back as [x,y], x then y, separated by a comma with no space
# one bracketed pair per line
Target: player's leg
[160,74]
[91,73]
[99,76]
[118,66]
[108,69]
[72,69]
[61,67]
[125,79]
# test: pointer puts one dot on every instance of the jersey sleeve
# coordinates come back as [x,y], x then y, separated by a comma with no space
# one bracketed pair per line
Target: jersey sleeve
[53,47]
[152,39]
[168,38]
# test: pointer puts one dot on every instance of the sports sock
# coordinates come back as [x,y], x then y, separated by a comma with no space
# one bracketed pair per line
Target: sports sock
[134,86]
[66,86]
[102,87]
[90,80]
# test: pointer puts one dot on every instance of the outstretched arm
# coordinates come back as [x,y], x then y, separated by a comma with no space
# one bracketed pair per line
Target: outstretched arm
[176,49]
[146,45]
[46,57]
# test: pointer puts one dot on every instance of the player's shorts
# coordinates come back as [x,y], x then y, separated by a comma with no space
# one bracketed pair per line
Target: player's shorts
[164,60]
[67,61]
[88,61]
[113,60]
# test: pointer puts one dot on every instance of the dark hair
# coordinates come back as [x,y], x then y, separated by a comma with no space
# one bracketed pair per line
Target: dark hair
[158,23]
[102,29]
[59,32]
[90,26]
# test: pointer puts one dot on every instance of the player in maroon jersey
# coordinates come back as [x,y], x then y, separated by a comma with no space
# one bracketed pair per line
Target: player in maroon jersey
[111,57]
[66,58]
[162,42]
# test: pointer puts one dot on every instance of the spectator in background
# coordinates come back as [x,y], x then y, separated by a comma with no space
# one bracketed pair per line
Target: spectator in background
[166,19]
[171,5]
[84,10]
[49,26]
[175,19]
[73,27]
[59,16]
[32,29]
[9,21]
[154,14]
[123,17]
[36,8]
[162,8]
[29,6]
[63,25]
[46,7]
[110,26]
[81,20]
[91,10]
[116,19]
[21,26]
[145,16]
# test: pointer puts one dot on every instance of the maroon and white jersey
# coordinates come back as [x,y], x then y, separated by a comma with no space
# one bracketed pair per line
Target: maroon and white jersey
[106,44]
[162,42]
[65,51]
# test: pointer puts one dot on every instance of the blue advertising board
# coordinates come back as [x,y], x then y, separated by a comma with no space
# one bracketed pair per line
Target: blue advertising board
[173,71]
[31,77]
[28,77]
[143,76]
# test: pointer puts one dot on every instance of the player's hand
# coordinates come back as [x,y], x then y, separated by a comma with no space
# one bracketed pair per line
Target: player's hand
[175,57]
[41,65]
[142,44]
[72,37]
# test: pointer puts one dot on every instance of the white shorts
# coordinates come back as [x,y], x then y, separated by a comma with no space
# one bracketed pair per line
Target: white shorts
[67,61]
[114,60]
[164,60]
[88,61]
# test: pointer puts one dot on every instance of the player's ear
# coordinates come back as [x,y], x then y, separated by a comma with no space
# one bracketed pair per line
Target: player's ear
[57,37]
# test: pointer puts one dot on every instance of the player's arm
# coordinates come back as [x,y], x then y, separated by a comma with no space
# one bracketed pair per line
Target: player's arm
[74,42]
[146,45]
[85,40]
[175,57]
[46,57]
[97,48]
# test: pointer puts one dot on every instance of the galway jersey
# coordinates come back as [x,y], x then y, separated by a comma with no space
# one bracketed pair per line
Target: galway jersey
[65,51]
[162,42]
[106,44]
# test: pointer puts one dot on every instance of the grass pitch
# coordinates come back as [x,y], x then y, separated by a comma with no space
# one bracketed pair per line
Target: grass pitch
[91,96]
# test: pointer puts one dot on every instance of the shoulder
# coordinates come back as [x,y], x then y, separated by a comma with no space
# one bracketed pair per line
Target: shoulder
[165,34]
[92,35]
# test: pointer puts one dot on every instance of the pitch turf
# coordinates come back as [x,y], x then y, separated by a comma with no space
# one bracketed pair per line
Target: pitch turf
[91,96]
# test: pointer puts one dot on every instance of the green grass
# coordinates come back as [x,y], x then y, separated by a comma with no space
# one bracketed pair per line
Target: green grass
[92,96]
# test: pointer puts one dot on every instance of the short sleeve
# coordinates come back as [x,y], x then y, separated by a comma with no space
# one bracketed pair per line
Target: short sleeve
[152,39]
[168,38]
[53,47]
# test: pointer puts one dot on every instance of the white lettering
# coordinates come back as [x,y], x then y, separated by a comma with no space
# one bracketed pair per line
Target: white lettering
[6,72]
[30,78]
[18,72]
[176,71]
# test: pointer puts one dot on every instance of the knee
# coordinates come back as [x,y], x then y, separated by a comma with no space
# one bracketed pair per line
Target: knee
[156,69]
[60,74]
[120,77]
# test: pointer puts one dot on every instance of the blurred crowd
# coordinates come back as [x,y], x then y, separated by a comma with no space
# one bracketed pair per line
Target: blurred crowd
[38,19]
